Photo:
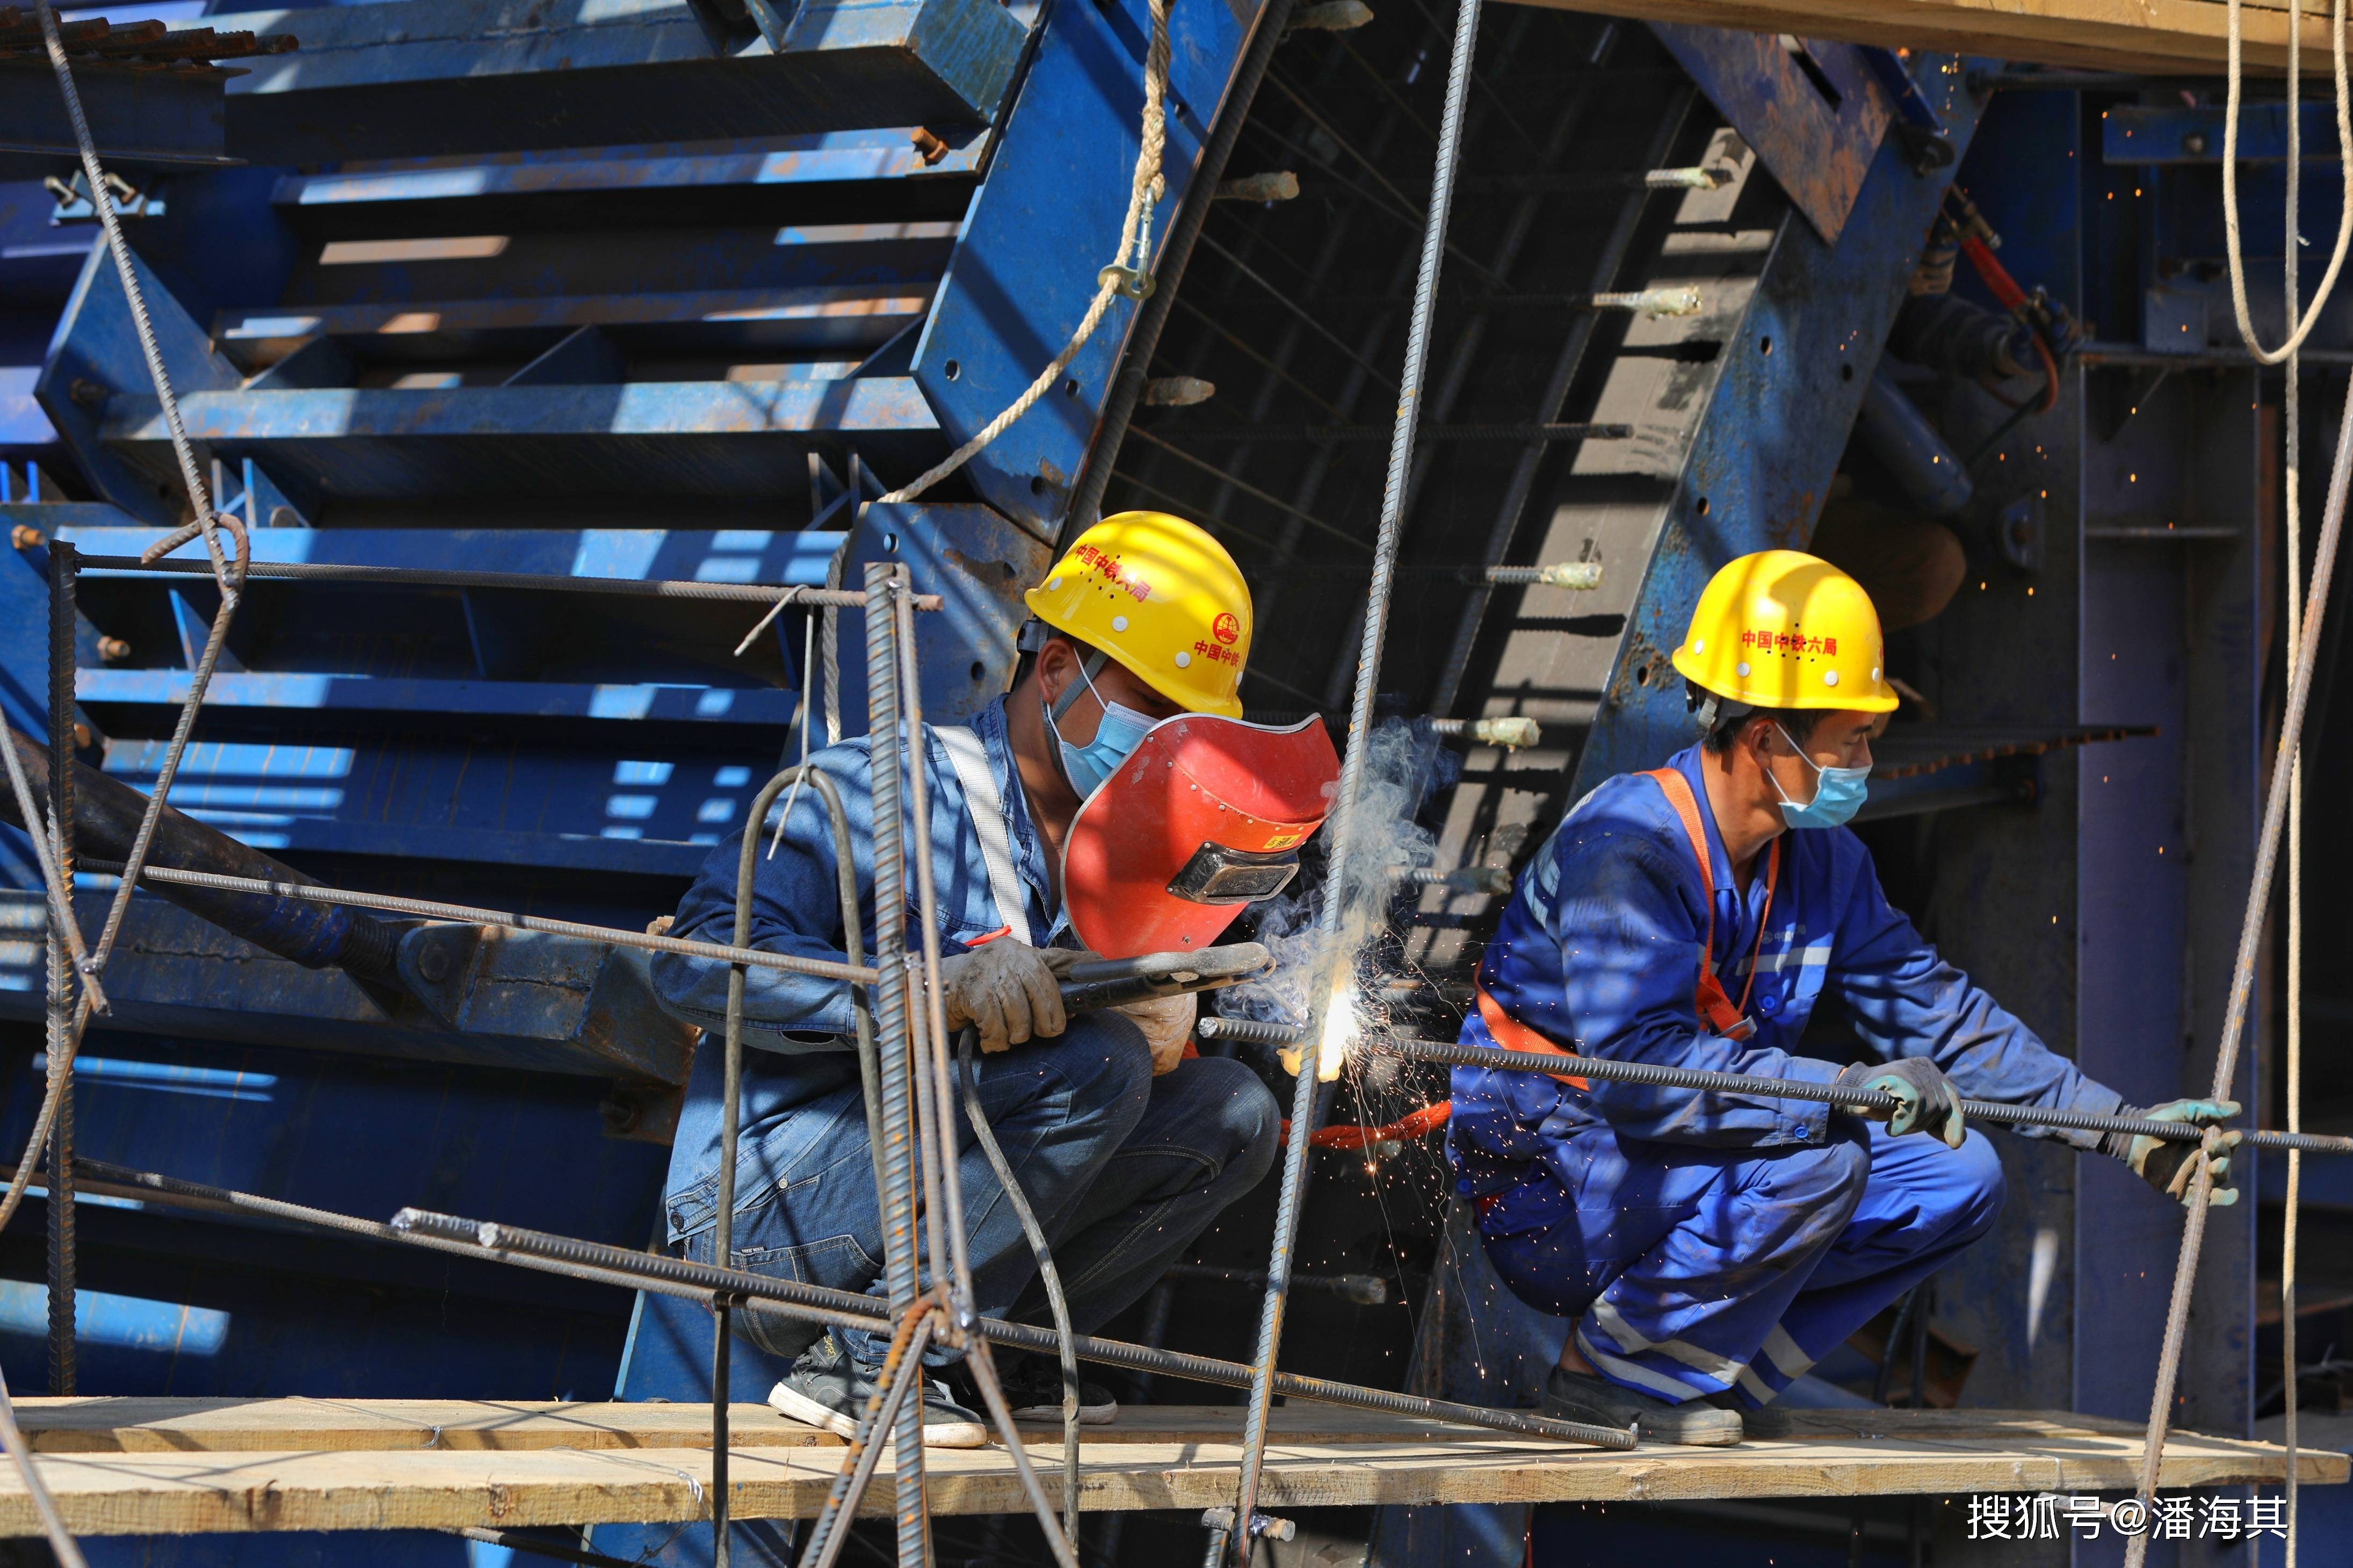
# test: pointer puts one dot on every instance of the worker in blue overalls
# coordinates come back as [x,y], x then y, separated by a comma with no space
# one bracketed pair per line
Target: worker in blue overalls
[1712,1247]
[1125,1146]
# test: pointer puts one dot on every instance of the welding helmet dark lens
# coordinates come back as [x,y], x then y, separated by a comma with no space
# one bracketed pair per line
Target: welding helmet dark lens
[1217,875]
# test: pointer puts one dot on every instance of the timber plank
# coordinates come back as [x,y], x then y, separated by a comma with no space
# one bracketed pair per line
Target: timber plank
[2169,36]
[1935,1453]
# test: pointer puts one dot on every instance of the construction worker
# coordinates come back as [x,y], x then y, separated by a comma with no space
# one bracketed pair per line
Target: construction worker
[1125,1148]
[1710,1247]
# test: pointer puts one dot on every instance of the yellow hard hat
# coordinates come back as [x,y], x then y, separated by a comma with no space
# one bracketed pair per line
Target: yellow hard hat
[1784,629]
[1161,596]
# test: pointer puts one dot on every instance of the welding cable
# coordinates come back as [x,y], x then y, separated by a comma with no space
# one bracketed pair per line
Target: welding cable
[1122,277]
[1405,1129]
[1048,1277]
[2277,795]
[102,201]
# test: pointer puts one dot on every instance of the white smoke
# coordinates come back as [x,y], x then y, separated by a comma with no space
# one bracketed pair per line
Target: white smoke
[1385,842]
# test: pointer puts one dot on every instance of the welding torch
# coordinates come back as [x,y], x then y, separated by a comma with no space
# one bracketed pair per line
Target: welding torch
[1116,982]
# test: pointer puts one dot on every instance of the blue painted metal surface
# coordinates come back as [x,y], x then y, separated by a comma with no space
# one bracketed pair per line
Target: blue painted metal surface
[1055,198]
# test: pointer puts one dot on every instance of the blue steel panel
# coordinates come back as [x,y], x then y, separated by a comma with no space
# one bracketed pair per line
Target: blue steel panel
[138,117]
[2021,170]
[1818,150]
[96,351]
[286,689]
[2149,133]
[421,78]
[639,554]
[1046,220]
[981,566]
[1764,456]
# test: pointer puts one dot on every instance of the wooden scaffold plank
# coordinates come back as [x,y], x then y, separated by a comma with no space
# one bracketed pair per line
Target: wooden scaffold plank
[181,1469]
[2167,36]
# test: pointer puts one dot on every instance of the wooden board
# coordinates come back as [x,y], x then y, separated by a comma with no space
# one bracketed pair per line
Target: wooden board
[2169,36]
[159,1489]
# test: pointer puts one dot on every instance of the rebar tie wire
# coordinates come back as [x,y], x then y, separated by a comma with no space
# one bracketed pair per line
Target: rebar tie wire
[1333,964]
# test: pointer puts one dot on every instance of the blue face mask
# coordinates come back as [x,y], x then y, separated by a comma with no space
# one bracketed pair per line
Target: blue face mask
[1117,734]
[1838,794]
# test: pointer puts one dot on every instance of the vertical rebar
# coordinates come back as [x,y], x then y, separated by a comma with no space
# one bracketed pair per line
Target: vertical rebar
[1333,961]
[886,749]
[62,662]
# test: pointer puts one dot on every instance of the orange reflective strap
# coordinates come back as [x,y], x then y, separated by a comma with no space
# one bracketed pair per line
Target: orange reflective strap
[1709,999]
[1514,1036]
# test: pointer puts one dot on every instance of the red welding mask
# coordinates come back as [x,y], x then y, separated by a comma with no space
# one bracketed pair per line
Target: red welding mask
[1207,815]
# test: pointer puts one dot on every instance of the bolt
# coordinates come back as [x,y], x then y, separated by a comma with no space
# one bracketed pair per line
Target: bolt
[433,964]
[112,650]
[24,536]
[1278,185]
[929,146]
[2194,143]
[89,394]
[1177,391]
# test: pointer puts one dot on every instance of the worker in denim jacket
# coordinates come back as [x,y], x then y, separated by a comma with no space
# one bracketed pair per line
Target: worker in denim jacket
[1711,1246]
[1125,1148]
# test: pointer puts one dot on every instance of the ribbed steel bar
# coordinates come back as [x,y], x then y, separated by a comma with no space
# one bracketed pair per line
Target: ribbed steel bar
[435,910]
[1852,1098]
[894,1035]
[61,1241]
[512,1243]
[1331,954]
[433,577]
[1369,433]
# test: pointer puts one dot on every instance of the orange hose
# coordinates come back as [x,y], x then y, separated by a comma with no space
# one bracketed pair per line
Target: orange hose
[1428,1118]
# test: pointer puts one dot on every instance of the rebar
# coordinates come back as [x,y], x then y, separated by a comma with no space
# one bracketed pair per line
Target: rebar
[893,1034]
[1355,434]
[518,1245]
[61,975]
[823,968]
[1330,955]
[436,578]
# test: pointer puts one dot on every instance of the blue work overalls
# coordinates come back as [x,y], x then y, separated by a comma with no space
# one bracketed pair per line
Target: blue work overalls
[1714,1242]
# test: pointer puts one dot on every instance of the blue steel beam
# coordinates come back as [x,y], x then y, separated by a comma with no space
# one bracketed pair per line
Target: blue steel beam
[634,555]
[2140,133]
[429,77]
[845,175]
[285,694]
[135,117]
[1046,221]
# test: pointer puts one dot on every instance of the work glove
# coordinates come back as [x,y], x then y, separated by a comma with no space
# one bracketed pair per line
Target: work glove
[1006,990]
[2170,1166]
[1167,1024]
[1930,1103]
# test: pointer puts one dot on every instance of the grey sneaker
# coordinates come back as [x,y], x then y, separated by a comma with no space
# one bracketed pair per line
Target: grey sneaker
[827,1388]
[1033,1387]
[1574,1396]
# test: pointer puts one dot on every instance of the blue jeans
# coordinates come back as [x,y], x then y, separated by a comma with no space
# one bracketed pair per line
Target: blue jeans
[1695,1270]
[1123,1170]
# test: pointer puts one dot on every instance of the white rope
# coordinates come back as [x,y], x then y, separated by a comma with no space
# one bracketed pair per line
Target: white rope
[2292,477]
[2231,182]
[1120,277]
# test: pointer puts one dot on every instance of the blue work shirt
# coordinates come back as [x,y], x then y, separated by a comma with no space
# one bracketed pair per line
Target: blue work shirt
[1600,950]
[800,1024]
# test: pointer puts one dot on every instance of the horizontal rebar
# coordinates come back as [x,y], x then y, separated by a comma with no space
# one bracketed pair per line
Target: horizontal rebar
[432,909]
[431,577]
[810,1299]
[1847,1097]
[1371,433]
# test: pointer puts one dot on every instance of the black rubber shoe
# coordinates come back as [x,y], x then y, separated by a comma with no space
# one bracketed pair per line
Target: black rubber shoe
[826,1388]
[1574,1396]
[1033,1387]
[1770,1423]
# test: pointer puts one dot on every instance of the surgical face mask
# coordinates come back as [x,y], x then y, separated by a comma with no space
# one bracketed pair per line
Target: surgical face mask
[1837,792]
[1117,734]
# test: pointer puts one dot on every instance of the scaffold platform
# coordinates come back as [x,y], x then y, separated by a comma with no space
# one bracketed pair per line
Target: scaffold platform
[141,1466]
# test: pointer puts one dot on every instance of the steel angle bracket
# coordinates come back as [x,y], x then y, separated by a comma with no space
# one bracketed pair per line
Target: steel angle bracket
[1045,223]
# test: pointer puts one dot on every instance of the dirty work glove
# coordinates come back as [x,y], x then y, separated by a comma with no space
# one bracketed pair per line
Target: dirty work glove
[1167,1024]
[1931,1103]
[2167,1165]
[1007,991]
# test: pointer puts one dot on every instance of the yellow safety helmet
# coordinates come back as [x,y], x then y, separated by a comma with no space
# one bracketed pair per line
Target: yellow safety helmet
[1784,629]
[1161,596]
